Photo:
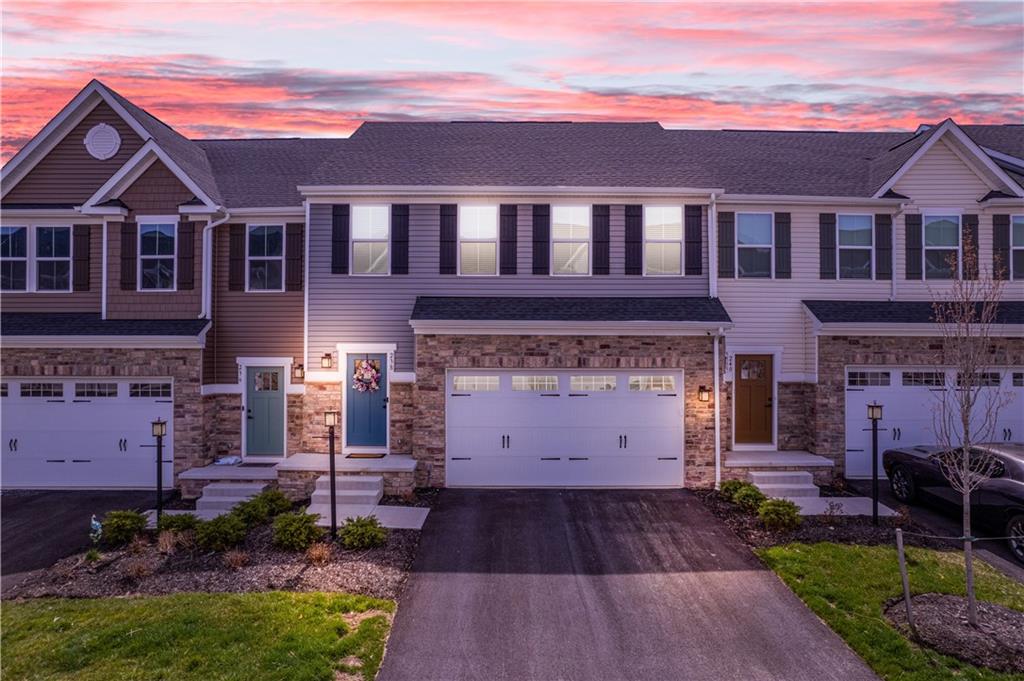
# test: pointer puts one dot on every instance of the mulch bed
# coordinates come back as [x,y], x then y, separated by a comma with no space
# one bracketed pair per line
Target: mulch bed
[941,621]
[838,529]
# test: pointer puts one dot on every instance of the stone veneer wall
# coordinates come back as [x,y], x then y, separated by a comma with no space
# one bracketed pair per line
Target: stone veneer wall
[796,415]
[319,397]
[835,353]
[222,422]
[184,366]
[692,354]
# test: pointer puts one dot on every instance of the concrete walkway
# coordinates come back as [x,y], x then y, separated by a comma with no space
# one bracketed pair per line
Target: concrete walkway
[550,584]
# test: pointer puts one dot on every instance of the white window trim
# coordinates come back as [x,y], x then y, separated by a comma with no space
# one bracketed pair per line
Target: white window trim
[871,248]
[737,246]
[31,259]
[496,240]
[1011,275]
[589,241]
[681,240]
[155,220]
[352,240]
[248,257]
[959,242]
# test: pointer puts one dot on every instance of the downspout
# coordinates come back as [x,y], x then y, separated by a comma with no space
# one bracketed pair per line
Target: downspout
[892,283]
[718,413]
[206,311]
[103,279]
[713,248]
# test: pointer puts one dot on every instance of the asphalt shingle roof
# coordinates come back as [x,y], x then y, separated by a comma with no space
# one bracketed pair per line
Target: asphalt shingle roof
[569,309]
[896,312]
[88,324]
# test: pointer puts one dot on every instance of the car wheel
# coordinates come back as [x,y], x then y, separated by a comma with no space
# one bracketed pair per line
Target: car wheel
[902,485]
[1015,532]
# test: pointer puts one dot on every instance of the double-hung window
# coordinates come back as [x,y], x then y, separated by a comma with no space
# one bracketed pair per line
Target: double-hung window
[13,258]
[855,240]
[53,258]
[941,246]
[157,255]
[478,240]
[1016,265]
[371,238]
[754,245]
[570,240]
[663,240]
[266,258]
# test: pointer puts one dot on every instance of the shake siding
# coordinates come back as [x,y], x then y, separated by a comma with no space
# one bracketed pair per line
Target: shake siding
[73,301]
[68,174]
[355,309]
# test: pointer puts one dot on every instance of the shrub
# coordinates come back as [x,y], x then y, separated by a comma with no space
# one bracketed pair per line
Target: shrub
[296,531]
[178,522]
[220,533]
[779,514]
[120,527]
[92,555]
[262,507]
[137,569]
[363,532]
[729,488]
[138,544]
[167,541]
[319,553]
[235,559]
[749,498]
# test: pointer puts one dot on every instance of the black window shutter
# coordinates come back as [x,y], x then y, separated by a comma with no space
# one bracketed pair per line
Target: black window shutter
[726,245]
[399,238]
[693,253]
[80,265]
[913,228]
[826,245]
[339,238]
[508,236]
[1001,247]
[293,254]
[541,238]
[783,246]
[129,254]
[970,246]
[883,246]
[634,239]
[236,257]
[449,239]
[602,239]
[186,255]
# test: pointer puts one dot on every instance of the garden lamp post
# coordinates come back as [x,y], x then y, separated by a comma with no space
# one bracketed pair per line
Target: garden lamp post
[331,420]
[875,415]
[159,431]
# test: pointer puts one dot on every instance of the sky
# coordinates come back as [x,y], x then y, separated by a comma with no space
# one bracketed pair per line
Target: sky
[273,69]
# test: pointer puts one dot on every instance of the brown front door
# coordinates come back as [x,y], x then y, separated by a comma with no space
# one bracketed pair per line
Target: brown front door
[752,377]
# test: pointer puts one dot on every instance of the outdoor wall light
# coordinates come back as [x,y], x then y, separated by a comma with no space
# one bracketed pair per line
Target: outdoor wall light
[703,394]
[327,361]
[299,371]
[159,428]
[875,412]
[330,419]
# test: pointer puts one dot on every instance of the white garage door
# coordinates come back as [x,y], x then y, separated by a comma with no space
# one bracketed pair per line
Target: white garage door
[565,428]
[910,397]
[90,433]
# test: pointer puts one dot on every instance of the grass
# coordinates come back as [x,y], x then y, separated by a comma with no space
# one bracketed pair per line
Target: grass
[248,637]
[847,586]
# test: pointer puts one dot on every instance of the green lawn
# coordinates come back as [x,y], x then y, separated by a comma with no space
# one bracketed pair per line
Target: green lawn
[249,637]
[847,586]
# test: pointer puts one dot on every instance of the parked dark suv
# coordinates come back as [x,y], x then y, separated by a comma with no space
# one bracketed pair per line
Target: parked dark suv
[997,505]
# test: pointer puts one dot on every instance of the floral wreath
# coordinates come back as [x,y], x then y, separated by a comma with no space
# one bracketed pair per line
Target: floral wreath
[366,378]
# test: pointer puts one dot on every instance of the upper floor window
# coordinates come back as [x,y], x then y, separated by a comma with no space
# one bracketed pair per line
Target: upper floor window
[570,240]
[941,246]
[266,258]
[1017,247]
[478,240]
[157,255]
[754,244]
[371,237]
[13,258]
[53,258]
[855,242]
[663,240]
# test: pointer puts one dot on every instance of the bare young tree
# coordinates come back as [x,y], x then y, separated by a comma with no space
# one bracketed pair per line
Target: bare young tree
[966,313]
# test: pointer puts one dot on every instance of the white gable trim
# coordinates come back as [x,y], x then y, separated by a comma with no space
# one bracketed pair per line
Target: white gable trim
[949,127]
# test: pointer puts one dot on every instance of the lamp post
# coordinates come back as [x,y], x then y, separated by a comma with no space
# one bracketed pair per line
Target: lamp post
[331,420]
[875,415]
[159,431]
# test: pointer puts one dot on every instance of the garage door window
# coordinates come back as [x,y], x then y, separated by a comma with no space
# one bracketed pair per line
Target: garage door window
[95,389]
[868,378]
[42,390]
[149,390]
[3,390]
[592,384]
[534,383]
[983,379]
[476,384]
[660,384]
[929,379]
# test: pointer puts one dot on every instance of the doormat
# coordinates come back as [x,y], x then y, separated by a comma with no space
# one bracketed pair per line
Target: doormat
[257,465]
[365,456]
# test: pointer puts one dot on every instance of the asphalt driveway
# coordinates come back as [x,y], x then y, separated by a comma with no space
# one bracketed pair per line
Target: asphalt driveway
[599,584]
[38,528]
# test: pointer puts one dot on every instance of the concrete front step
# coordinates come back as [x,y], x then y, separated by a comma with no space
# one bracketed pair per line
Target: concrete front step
[790,490]
[781,478]
[347,496]
[233,489]
[393,517]
[372,483]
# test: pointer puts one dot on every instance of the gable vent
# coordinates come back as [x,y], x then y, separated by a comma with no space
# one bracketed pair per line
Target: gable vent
[102,141]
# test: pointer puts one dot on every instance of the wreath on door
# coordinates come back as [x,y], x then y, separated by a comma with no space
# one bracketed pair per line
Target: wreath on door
[366,378]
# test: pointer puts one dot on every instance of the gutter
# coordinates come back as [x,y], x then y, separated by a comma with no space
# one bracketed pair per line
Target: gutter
[206,308]
[718,410]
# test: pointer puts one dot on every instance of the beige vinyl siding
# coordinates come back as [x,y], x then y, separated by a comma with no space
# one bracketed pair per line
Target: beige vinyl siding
[71,301]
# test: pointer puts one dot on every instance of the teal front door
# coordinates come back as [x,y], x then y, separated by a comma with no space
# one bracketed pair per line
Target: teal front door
[366,400]
[264,411]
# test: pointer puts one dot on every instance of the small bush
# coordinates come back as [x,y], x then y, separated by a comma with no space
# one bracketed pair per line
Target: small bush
[178,522]
[92,555]
[220,533]
[779,514]
[167,541]
[296,531]
[749,498]
[120,527]
[729,488]
[262,507]
[235,559]
[138,544]
[363,532]
[137,569]
[319,554]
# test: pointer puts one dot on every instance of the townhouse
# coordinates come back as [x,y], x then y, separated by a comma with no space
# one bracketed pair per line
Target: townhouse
[489,304]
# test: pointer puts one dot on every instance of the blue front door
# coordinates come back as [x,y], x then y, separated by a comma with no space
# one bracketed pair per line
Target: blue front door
[366,401]
[264,411]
